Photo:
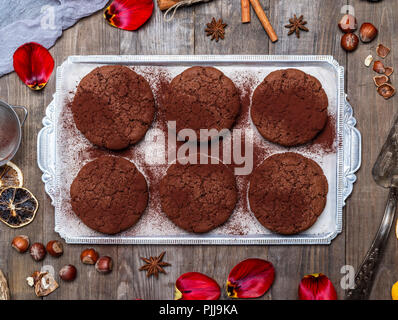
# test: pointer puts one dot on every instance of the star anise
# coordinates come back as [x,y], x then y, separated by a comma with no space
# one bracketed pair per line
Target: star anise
[154,265]
[296,24]
[216,29]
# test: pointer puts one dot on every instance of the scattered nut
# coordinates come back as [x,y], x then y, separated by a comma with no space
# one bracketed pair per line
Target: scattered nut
[33,278]
[389,71]
[349,42]
[348,23]
[55,248]
[45,284]
[37,251]
[20,243]
[104,265]
[382,51]
[68,273]
[89,256]
[30,281]
[379,80]
[386,91]
[368,32]
[368,60]
[379,67]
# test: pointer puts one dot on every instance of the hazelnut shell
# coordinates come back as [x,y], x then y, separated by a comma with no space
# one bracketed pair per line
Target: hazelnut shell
[386,90]
[382,51]
[379,67]
[379,80]
[389,71]
[348,23]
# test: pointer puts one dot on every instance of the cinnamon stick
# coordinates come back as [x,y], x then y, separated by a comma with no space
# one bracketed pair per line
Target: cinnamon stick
[245,4]
[166,4]
[264,20]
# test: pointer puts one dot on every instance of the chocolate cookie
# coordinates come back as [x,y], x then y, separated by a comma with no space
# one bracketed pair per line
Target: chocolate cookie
[288,193]
[202,98]
[113,107]
[289,107]
[198,197]
[109,194]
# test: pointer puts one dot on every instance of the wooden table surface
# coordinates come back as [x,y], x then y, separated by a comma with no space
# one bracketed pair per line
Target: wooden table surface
[185,35]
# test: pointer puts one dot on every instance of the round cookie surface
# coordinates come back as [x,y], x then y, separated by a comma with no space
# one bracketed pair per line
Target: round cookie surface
[109,194]
[202,98]
[288,193]
[289,107]
[198,197]
[113,107]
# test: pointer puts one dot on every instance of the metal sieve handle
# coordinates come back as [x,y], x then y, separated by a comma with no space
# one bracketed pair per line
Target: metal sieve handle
[25,111]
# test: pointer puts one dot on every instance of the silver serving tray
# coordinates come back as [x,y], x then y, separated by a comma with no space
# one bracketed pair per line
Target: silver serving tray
[348,155]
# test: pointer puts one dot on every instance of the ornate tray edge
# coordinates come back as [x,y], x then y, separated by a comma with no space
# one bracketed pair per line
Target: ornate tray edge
[351,155]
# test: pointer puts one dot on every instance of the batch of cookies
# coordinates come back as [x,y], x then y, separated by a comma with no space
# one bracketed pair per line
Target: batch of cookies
[114,107]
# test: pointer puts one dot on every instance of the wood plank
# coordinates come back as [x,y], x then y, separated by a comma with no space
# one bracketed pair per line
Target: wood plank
[375,117]
[293,262]
[185,35]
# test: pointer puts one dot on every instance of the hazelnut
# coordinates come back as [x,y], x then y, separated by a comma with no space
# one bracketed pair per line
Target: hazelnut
[379,67]
[368,32]
[37,251]
[104,265]
[349,42]
[55,248]
[89,256]
[348,23]
[68,273]
[20,243]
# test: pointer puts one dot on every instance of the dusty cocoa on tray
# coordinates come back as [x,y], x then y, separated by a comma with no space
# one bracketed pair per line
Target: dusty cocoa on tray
[323,143]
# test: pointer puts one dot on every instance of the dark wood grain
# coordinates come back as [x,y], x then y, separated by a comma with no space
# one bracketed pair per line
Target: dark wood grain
[365,209]
[185,35]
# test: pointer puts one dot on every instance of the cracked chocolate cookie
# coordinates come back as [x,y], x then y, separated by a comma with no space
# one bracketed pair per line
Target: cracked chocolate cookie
[289,107]
[288,193]
[198,197]
[113,107]
[109,194]
[202,98]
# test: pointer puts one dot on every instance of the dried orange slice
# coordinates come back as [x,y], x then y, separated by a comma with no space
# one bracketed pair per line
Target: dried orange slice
[18,206]
[10,176]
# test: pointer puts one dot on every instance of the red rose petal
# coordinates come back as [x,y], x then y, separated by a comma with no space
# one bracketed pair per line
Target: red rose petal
[33,64]
[196,286]
[129,14]
[316,287]
[250,278]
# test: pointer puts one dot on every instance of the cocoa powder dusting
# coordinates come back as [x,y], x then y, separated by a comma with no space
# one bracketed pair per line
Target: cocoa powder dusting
[154,222]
